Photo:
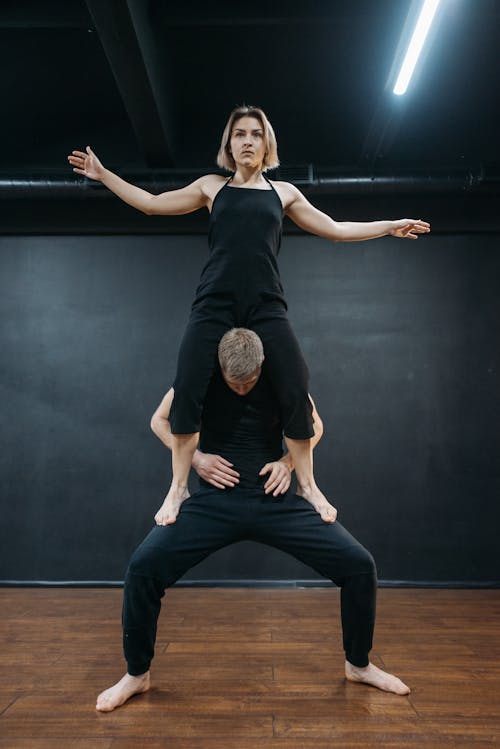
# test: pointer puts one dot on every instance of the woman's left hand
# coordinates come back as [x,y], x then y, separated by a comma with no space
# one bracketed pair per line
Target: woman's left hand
[409,228]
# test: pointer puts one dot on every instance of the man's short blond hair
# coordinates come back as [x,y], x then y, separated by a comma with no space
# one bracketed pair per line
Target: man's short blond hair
[224,157]
[241,353]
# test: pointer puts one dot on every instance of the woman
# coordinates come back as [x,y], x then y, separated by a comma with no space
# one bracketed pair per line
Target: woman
[240,287]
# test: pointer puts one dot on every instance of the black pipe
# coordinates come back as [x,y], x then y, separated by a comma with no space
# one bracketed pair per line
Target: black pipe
[465,182]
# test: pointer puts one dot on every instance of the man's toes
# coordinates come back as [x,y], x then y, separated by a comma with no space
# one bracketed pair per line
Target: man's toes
[102,704]
[402,688]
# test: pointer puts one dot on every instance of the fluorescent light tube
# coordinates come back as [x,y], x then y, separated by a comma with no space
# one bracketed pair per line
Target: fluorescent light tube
[415,47]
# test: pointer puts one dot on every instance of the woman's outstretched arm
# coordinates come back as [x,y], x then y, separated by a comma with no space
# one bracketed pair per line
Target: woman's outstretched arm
[171,203]
[309,218]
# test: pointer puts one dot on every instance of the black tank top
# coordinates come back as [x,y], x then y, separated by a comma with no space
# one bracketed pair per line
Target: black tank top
[246,430]
[244,240]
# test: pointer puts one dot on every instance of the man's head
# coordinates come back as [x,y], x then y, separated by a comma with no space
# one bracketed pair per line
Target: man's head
[240,357]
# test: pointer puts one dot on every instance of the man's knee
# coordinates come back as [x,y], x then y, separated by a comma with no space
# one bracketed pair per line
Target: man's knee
[368,562]
[151,562]
[359,561]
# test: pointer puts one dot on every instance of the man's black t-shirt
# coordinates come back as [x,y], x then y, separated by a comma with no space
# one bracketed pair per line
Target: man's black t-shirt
[246,429]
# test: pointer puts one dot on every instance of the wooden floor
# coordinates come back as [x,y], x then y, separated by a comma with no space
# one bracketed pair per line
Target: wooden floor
[250,669]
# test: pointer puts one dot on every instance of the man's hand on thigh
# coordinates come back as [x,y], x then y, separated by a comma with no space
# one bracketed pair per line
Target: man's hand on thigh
[216,470]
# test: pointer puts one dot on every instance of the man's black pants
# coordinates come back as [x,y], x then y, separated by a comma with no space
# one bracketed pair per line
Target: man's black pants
[213,518]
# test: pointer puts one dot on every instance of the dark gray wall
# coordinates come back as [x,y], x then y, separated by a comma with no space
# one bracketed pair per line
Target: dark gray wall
[402,343]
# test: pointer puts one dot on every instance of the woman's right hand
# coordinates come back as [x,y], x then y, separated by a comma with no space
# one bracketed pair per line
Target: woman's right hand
[87,164]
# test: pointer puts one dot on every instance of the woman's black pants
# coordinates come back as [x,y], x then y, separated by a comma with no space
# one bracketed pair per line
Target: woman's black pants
[213,518]
[284,364]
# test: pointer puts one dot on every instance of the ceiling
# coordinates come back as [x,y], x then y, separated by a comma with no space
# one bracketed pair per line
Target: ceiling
[150,83]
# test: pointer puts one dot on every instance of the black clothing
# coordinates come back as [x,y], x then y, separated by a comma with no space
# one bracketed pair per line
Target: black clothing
[240,287]
[214,518]
[244,238]
[246,430]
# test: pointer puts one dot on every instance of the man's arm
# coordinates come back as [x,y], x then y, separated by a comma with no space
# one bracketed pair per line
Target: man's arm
[159,420]
[212,468]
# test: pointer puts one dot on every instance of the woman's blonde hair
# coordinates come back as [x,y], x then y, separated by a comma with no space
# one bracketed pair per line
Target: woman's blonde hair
[240,353]
[224,157]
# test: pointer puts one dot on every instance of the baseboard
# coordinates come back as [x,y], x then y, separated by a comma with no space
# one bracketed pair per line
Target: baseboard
[216,583]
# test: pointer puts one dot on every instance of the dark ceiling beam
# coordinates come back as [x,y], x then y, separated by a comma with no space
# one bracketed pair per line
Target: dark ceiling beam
[132,66]
[51,14]
[382,132]
[196,13]
[248,21]
[159,73]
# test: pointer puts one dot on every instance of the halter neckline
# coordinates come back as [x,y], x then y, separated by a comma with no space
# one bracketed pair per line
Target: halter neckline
[249,188]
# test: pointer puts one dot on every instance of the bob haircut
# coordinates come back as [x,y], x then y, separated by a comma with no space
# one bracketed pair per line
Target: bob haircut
[224,157]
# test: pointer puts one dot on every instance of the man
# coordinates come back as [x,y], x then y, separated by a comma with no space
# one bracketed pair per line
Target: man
[244,495]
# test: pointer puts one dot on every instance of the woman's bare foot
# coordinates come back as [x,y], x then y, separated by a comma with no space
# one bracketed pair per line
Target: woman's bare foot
[317,499]
[376,677]
[167,514]
[122,691]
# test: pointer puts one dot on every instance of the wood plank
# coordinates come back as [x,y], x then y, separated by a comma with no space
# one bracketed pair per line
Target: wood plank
[35,743]
[212,667]
[222,647]
[8,697]
[467,730]
[339,728]
[417,741]
[207,631]
[66,713]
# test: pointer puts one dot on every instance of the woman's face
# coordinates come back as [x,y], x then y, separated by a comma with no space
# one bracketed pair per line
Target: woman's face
[247,142]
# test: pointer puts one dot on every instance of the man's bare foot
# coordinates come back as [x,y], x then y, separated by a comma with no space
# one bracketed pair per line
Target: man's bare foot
[122,691]
[167,514]
[317,499]
[376,677]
